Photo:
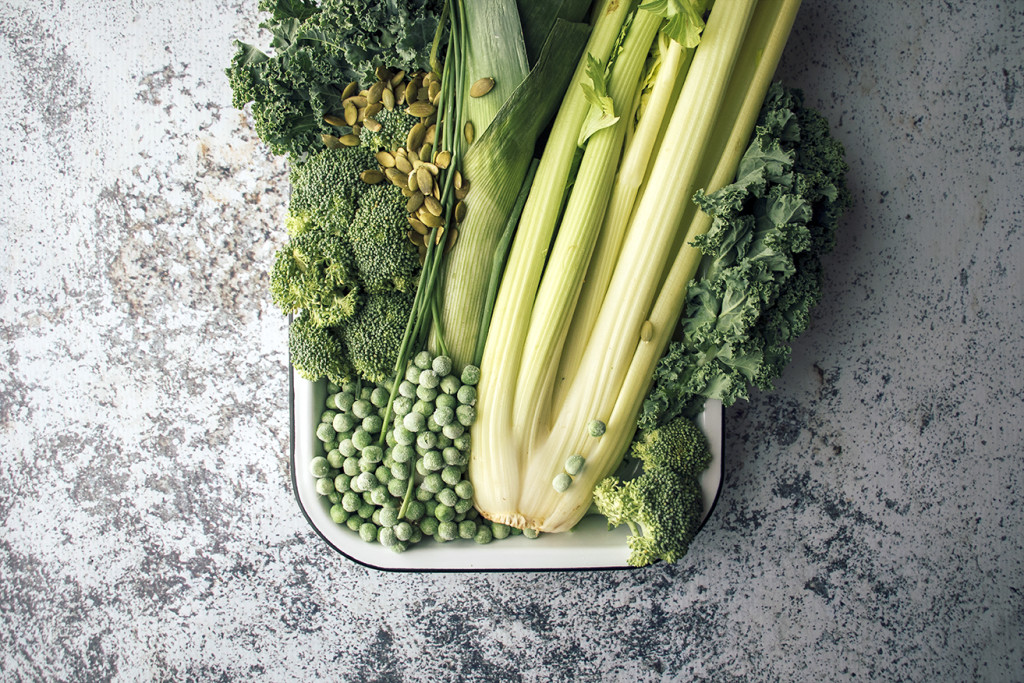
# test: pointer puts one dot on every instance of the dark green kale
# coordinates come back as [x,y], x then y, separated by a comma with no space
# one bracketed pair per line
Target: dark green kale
[761,273]
[314,52]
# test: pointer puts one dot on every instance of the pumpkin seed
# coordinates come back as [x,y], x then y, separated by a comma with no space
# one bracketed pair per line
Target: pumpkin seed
[433,206]
[350,140]
[371,176]
[351,113]
[383,73]
[431,136]
[433,91]
[396,177]
[397,79]
[460,212]
[412,182]
[385,159]
[444,158]
[415,137]
[330,141]
[647,331]
[418,225]
[410,91]
[424,154]
[388,98]
[356,100]
[428,219]
[469,132]
[372,110]
[372,125]
[403,164]
[481,87]
[424,180]
[415,237]
[351,89]
[374,93]
[420,109]
[414,203]
[453,235]
[336,121]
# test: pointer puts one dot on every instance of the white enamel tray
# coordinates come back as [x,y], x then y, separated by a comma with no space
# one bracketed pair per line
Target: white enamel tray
[590,546]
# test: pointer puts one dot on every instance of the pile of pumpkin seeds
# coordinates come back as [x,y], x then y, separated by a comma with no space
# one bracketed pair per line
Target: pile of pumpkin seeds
[415,168]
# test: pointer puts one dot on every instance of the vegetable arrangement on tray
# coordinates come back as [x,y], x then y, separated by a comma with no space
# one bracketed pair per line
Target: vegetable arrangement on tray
[527,240]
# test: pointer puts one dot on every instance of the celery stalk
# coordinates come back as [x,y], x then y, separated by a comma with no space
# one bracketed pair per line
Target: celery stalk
[770,28]
[578,232]
[500,469]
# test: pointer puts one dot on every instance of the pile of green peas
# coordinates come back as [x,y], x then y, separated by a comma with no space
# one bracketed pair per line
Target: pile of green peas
[412,483]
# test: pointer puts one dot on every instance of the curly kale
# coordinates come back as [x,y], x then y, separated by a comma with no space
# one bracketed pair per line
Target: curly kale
[365,34]
[314,273]
[384,256]
[326,189]
[761,273]
[314,52]
[663,506]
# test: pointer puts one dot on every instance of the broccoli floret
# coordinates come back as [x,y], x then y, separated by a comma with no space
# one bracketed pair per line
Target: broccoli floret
[317,352]
[383,254]
[326,188]
[394,130]
[372,338]
[314,273]
[664,504]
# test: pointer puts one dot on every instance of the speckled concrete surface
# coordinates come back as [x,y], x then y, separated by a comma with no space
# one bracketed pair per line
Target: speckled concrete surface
[872,518]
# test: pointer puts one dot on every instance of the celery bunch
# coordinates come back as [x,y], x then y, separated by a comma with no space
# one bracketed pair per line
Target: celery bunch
[598,270]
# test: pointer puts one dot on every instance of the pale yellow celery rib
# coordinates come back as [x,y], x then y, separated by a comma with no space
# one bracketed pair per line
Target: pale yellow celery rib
[577,233]
[495,459]
[637,275]
[620,208]
[490,54]
[769,32]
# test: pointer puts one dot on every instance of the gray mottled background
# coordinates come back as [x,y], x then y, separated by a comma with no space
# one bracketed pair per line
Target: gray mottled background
[871,521]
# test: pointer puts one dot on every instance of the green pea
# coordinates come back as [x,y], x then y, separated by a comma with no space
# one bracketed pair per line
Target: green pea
[379,397]
[362,408]
[449,385]
[464,489]
[325,432]
[428,525]
[470,374]
[442,365]
[415,511]
[467,395]
[339,515]
[325,486]
[319,466]
[343,422]
[368,532]
[447,531]
[447,497]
